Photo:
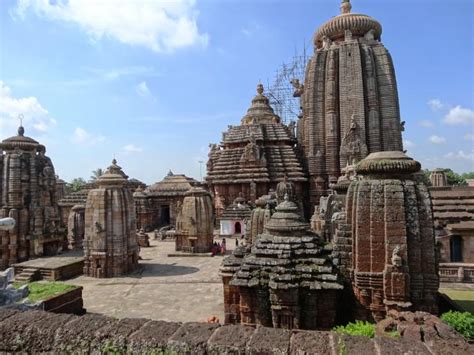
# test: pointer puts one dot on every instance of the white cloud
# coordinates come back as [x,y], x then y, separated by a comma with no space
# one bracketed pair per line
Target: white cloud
[408,144]
[35,116]
[426,123]
[459,116]
[81,136]
[435,104]
[131,148]
[162,26]
[469,137]
[437,139]
[246,32]
[460,155]
[143,90]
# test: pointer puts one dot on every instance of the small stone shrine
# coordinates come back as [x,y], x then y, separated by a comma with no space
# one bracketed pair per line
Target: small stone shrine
[286,281]
[394,264]
[234,218]
[195,222]
[76,227]
[110,243]
[28,195]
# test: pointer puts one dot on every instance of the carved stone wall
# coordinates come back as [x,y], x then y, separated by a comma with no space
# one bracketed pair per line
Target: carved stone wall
[76,227]
[110,244]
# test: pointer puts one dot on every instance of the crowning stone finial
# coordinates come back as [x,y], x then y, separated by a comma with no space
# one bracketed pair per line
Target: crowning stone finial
[170,173]
[260,88]
[114,161]
[21,130]
[346,6]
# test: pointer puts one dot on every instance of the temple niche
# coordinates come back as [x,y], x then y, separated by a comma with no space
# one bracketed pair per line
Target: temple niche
[28,193]
[195,222]
[110,243]
[254,157]
[349,99]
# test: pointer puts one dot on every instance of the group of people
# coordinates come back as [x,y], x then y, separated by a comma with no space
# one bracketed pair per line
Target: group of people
[219,248]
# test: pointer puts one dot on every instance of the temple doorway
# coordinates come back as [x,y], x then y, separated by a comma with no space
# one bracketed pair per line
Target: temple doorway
[456,248]
[165,215]
[238,228]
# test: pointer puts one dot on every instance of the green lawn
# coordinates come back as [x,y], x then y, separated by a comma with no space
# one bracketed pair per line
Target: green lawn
[41,290]
[463,298]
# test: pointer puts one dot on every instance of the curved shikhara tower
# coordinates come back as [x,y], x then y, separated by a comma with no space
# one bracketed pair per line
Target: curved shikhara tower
[349,99]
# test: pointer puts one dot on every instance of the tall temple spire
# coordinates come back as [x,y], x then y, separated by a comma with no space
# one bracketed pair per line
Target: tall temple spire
[346,6]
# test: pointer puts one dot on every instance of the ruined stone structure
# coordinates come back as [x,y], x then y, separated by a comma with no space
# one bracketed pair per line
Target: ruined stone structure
[28,194]
[438,178]
[76,227]
[110,243]
[254,157]
[394,264]
[195,222]
[286,281]
[144,210]
[67,202]
[143,239]
[234,218]
[349,99]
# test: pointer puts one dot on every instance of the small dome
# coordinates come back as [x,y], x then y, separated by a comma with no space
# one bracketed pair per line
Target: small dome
[358,24]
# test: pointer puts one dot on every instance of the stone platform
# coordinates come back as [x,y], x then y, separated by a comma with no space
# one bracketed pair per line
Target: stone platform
[54,268]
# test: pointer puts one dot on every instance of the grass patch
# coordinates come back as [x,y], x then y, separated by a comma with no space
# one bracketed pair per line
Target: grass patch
[365,329]
[462,322]
[464,299]
[39,291]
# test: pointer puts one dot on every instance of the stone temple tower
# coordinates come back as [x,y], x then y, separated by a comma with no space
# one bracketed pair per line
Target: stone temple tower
[349,99]
[28,194]
[110,242]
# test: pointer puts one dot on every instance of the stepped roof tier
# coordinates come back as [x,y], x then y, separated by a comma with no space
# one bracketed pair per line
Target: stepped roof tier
[261,149]
[172,185]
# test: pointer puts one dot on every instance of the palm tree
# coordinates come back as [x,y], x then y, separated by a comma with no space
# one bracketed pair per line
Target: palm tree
[96,174]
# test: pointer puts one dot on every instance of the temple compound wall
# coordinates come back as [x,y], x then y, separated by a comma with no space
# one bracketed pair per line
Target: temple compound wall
[110,243]
[45,332]
[28,194]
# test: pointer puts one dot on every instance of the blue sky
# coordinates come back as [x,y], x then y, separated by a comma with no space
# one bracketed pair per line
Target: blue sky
[155,82]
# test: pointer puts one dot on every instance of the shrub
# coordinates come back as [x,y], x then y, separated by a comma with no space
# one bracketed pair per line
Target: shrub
[358,328]
[462,322]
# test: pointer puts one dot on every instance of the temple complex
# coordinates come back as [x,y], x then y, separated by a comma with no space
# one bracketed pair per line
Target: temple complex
[195,222]
[349,99]
[110,243]
[254,157]
[287,280]
[28,194]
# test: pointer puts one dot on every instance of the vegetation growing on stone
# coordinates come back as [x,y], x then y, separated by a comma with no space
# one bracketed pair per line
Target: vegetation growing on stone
[362,328]
[462,322]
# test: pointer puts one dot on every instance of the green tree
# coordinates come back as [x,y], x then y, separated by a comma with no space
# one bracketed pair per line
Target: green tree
[453,178]
[76,184]
[97,173]
[469,175]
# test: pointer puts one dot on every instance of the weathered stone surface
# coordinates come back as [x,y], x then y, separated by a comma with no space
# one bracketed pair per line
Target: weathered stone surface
[191,338]
[268,341]
[390,346]
[152,335]
[317,343]
[230,339]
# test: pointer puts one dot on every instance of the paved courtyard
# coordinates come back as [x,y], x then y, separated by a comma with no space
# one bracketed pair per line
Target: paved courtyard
[164,288]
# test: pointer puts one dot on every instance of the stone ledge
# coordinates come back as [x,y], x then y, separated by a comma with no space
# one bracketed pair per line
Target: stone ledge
[37,331]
